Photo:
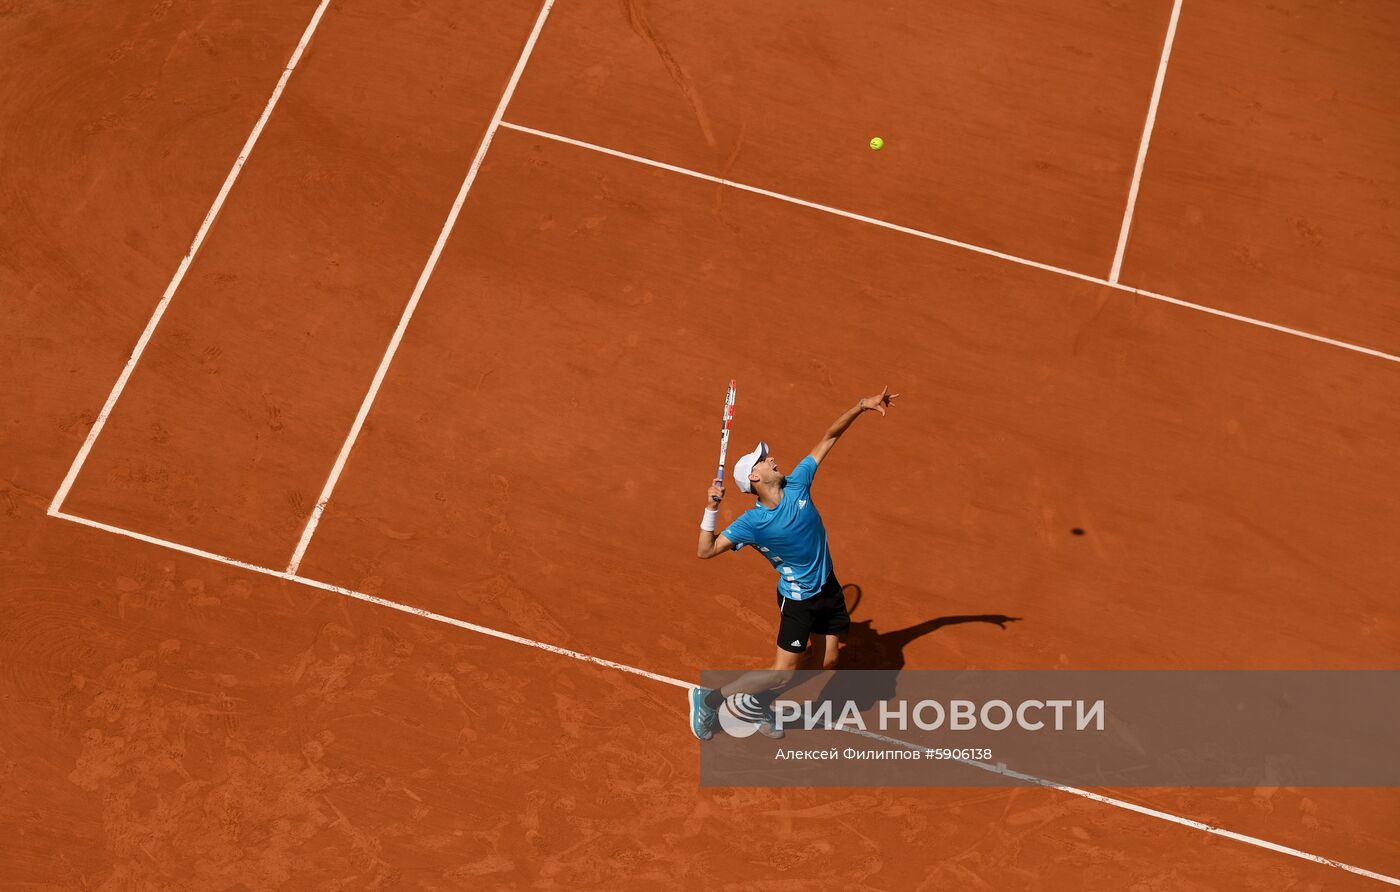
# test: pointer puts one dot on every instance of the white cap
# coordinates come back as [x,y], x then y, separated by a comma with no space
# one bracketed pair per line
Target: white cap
[744,466]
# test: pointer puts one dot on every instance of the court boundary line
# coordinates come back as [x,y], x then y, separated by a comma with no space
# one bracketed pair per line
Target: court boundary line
[292,577]
[945,240]
[141,343]
[364,596]
[1142,146]
[314,519]
[1000,768]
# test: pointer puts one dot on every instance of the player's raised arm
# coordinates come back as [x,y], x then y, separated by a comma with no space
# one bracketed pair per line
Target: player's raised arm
[878,403]
[710,544]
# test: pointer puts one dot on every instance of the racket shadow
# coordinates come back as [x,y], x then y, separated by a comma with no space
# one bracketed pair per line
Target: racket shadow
[868,648]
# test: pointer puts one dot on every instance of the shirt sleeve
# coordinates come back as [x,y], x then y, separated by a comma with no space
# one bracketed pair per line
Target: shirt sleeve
[804,473]
[740,531]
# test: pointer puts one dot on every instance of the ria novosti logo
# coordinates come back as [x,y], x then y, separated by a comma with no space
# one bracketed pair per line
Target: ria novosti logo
[740,715]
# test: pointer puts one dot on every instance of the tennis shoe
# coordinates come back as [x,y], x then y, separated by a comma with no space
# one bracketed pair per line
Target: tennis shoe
[750,709]
[768,726]
[702,718]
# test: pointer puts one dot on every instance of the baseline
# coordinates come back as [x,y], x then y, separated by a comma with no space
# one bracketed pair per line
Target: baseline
[676,682]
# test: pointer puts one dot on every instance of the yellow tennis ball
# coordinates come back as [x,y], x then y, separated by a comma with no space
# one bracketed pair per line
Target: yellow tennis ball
[877,144]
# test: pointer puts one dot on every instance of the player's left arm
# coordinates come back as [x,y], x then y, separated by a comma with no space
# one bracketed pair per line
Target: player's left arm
[878,403]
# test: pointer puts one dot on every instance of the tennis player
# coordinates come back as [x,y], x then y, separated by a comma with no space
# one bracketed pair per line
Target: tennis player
[785,527]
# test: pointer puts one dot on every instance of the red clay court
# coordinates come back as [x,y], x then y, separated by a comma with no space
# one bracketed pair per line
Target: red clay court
[362,375]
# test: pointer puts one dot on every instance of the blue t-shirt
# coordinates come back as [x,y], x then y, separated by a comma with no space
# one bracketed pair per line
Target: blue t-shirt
[792,535]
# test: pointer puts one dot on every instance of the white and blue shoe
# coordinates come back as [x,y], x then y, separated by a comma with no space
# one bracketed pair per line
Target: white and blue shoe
[769,726]
[702,718]
[748,708]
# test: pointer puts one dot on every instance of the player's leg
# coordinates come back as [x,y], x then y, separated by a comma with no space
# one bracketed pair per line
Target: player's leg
[826,651]
[794,634]
[794,631]
[831,619]
[785,665]
[785,662]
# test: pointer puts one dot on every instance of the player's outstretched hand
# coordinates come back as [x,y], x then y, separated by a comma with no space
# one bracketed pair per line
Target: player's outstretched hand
[879,403]
[716,492]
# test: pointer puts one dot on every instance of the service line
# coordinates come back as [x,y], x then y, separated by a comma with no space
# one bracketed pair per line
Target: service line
[320,507]
[185,262]
[942,239]
[666,679]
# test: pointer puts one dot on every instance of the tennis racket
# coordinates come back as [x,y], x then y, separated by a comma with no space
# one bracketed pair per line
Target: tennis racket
[724,432]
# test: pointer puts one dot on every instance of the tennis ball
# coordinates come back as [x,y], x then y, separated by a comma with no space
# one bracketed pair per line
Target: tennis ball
[877,144]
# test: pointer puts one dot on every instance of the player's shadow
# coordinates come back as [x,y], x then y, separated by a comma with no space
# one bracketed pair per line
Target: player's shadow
[869,649]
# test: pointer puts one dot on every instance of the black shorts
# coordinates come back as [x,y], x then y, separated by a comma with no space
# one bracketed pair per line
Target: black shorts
[823,614]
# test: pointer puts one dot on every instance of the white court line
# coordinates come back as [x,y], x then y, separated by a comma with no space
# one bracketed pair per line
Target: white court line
[665,679]
[918,233]
[1144,810]
[372,599]
[320,507]
[685,171]
[1142,147]
[185,262]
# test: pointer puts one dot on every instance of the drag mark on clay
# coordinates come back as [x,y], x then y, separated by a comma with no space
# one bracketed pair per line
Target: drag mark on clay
[640,22]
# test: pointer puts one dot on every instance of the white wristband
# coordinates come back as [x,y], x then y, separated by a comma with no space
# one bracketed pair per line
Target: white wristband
[710,520]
